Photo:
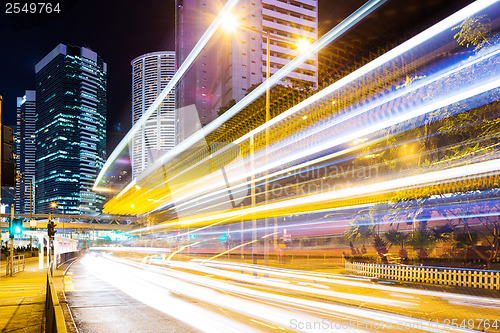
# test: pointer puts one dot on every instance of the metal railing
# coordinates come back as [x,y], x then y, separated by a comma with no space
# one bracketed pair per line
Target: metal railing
[462,277]
[54,318]
[18,263]
[63,257]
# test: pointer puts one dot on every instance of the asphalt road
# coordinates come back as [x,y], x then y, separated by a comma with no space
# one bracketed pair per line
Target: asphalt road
[98,306]
[110,294]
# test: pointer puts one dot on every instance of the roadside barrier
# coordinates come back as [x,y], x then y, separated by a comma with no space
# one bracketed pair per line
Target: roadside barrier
[63,257]
[436,275]
[54,318]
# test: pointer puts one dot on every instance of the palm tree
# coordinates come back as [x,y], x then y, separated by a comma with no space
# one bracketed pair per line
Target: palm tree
[398,238]
[381,247]
[464,241]
[422,241]
[359,231]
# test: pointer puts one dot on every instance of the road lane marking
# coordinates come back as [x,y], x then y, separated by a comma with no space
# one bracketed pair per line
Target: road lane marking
[273,327]
[68,284]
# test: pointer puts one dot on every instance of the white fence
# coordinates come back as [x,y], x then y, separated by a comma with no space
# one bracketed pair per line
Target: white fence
[444,276]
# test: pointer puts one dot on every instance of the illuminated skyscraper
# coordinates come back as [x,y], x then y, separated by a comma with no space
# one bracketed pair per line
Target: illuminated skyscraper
[25,151]
[150,75]
[227,71]
[70,129]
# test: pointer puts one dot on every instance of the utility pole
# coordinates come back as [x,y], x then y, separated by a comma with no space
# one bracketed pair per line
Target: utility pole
[11,242]
[266,151]
[1,99]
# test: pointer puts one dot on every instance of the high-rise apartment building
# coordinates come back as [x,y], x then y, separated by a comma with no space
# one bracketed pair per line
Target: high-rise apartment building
[25,152]
[238,60]
[150,75]
[70,129]
[192,18]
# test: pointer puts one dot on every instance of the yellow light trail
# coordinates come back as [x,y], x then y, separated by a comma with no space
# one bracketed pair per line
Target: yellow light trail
[383,59]
[181,249]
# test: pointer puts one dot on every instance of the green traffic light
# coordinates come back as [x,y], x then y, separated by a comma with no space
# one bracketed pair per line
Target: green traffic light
[16,227]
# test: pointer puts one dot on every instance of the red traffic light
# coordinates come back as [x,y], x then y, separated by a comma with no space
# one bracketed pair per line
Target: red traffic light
[51,229]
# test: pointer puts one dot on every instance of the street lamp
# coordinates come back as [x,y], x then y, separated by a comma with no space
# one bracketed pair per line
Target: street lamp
[230,23]
[54,205]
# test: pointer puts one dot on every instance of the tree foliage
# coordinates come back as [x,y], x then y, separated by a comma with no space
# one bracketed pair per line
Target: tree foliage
[474,31]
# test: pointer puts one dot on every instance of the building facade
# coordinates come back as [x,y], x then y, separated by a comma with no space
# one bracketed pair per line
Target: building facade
[70,130]
[150,75]
[192,18]
[226,70]
[25,152]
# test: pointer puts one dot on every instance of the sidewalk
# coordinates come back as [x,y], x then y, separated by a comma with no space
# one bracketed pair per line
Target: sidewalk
[22,299]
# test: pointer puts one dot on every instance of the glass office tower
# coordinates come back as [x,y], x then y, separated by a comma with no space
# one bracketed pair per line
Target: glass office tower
[70,130]
[25,152]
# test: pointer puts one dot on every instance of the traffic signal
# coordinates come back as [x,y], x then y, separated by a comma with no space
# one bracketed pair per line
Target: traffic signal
[7,164]
[51,229]
[16,226]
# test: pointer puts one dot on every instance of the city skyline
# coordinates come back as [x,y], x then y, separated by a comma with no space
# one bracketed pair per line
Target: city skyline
[293,165]
[109,35]
[112,37]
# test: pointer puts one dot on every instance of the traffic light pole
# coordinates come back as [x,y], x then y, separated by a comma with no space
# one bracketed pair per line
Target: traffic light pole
[50,240]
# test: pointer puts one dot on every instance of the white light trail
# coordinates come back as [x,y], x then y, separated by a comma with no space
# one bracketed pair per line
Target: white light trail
[302,289]
[336,279]
[159,298]
[458,96]
[438,28]
[154,284]
[269,307]
[421,179]
[198,48]
[400,93]
[399,50]
[417,112]
[337,31]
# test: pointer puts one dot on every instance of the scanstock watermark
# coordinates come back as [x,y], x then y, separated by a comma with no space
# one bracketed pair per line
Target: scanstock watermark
[356,324]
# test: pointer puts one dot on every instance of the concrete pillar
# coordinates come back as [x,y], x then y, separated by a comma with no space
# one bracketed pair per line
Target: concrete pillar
[56,251]
[40,251]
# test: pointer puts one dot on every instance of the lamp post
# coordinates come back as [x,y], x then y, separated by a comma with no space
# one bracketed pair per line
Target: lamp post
[54,205]
[230,23]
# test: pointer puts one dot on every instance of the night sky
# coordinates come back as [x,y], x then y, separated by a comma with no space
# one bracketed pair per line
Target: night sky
[116,31]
